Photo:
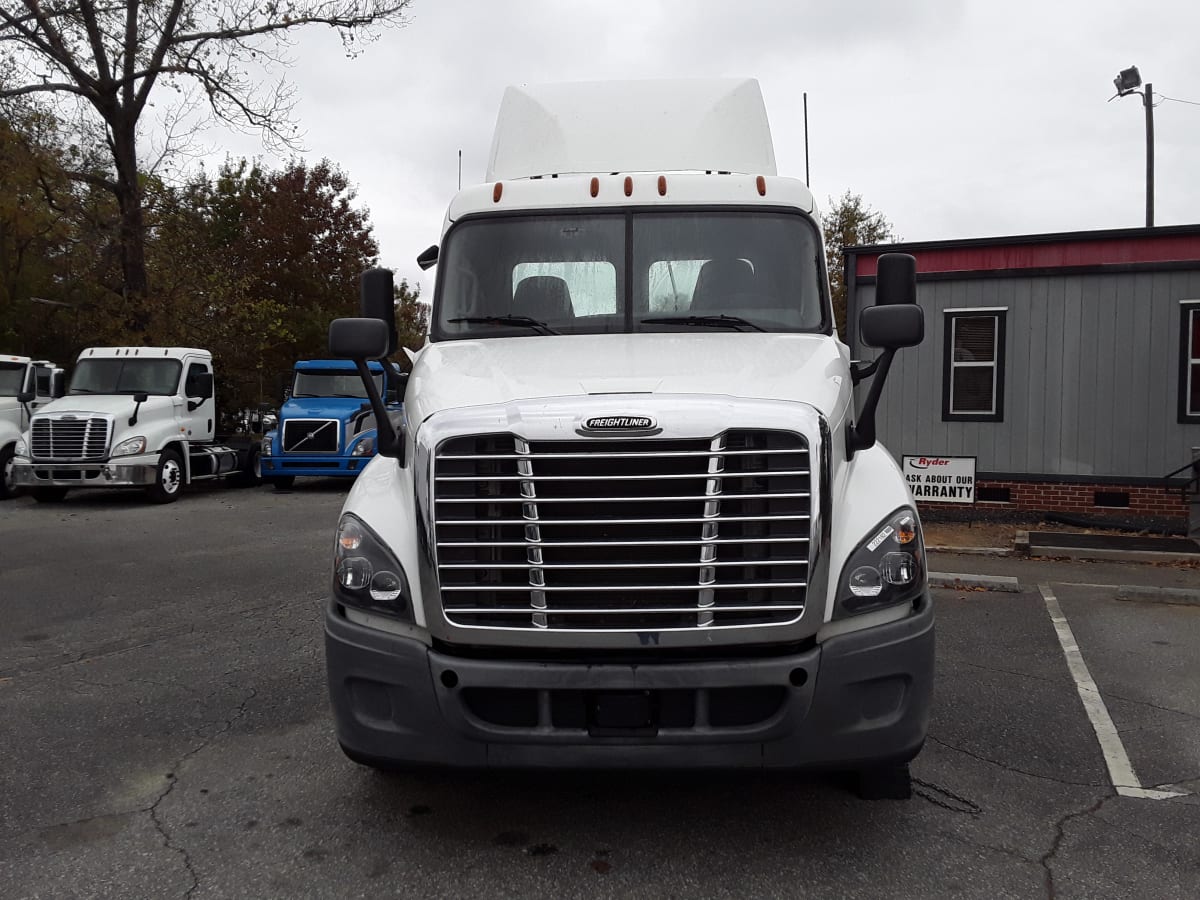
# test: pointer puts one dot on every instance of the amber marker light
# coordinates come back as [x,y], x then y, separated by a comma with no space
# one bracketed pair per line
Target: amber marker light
[762,186]
[628,186]
[662,185]
[595,187]
[906,530]
[497,191]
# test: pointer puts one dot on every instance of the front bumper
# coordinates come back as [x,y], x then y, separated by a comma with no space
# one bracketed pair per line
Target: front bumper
[85,475]
[857,700]
[321,466]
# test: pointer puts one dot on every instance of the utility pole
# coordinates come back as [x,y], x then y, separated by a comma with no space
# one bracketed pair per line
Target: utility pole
[1148,100]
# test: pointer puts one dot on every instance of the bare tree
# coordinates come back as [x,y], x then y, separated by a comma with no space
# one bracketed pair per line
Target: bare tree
[850,221]
[109,57]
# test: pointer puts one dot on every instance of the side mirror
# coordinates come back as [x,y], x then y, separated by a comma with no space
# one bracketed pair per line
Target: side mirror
[58,383]
[896,279]
[428,258]
[358,338]
[377,300]
[892,327]
[26,397]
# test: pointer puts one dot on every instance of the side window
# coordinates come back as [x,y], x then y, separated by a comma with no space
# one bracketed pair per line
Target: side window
[1189,361]
[973,366]
[191,387]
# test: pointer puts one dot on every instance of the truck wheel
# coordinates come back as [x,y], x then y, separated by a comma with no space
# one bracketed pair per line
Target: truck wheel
[251,474]
[168,478]
[8,487]
[885,783]
[49,494]
[283,482]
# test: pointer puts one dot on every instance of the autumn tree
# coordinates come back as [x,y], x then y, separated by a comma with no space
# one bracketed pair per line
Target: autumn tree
[254,264]
[848,222]
[412,319]
[107,59]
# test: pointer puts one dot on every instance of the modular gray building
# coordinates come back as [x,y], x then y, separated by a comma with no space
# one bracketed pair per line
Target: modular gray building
[1067,365]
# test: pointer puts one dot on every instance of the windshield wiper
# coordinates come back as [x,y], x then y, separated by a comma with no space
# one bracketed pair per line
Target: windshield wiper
[721,321]
[520,321]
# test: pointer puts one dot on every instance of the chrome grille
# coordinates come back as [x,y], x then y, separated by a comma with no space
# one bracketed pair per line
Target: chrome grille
[310,435]
[69,438]
[624,534]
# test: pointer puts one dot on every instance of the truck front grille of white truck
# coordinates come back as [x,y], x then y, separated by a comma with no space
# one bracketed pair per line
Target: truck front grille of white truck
[69,438]
[629,534]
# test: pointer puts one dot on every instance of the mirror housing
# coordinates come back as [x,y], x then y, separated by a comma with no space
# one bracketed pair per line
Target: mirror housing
[896,279]
[25,397]
[428,258]
[892,327]
[377,300]
[358,338]
[58,383]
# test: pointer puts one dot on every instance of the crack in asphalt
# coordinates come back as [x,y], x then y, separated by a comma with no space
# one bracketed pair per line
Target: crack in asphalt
[1060,833]
[1014,769]
[173,780]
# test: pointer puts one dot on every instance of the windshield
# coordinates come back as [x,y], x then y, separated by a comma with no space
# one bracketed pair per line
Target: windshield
[573,274]
[126,376]
[12,378]
[333,384]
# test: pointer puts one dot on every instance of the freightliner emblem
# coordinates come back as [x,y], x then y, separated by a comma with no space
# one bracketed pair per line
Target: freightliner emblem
[622,424]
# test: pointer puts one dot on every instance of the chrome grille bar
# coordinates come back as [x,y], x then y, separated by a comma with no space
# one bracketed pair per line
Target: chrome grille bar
[626,588]
[601,454]
[716,492]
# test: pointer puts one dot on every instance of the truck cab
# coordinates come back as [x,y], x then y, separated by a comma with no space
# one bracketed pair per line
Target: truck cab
[634,514]
[26,385]
[326,425]
[132,417]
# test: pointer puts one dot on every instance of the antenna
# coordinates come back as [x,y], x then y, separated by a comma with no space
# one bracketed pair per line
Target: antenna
[460,170]
[807,180]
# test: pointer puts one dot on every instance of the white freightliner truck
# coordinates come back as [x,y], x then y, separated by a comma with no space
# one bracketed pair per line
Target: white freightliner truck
[632,515]
[133,417]
[25,385]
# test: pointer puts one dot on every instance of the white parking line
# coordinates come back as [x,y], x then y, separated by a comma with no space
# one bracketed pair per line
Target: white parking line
[1120,769]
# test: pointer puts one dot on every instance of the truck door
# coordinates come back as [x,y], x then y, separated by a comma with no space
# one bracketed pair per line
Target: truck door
[199,408]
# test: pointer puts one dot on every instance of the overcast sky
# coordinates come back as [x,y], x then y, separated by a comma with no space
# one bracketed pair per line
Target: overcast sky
[954,119]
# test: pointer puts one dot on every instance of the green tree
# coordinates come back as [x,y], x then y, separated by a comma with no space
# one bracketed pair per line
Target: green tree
[849,221]
[412,320]
[107,59]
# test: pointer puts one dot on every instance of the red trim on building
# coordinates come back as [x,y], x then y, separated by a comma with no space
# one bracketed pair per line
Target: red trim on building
[1054,254]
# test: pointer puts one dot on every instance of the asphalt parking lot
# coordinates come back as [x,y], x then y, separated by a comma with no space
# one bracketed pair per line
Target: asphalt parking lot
[166,734]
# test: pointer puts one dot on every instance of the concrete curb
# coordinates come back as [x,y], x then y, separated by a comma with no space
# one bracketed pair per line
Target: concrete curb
[1183,596]
[1136,556]
[972,551]
[955,580]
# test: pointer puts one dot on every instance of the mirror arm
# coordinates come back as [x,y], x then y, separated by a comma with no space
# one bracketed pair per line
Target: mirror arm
[389,443]
[861,435]
[860,370]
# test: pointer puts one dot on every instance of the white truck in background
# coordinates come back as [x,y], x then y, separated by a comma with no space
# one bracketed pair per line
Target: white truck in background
[141,417]
[632,515]
[26,384]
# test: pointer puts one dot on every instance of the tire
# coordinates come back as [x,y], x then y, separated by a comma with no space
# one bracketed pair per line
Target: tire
[884,783]
[49,494]
[251,474]
[7,487]
[282,482]
[168,478]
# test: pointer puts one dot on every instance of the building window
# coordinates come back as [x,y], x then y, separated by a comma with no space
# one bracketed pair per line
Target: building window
[973,366]
[1189,362]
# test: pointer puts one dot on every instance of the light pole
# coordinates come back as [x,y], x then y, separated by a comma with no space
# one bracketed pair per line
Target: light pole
[1128,82]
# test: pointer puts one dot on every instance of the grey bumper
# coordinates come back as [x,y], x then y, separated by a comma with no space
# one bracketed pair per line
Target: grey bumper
[856,700]
[83,475]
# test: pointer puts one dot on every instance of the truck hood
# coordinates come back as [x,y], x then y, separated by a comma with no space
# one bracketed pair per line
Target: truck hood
[321,408]
[804,368]
[105,404]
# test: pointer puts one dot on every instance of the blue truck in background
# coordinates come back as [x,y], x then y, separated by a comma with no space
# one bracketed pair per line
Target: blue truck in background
[326,426]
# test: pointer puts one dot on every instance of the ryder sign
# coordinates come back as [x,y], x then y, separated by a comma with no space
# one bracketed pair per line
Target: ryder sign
[941,479]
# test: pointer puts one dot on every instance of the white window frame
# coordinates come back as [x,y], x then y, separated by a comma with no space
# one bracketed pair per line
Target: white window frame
[951,318]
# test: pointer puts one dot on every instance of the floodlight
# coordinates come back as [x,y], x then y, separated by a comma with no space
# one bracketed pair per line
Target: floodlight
[1128,81]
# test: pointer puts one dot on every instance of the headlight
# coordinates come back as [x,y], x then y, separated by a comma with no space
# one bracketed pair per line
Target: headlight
[22,449]
[266,447]
[365,574]
[887,568]
[130,446]
[365,447]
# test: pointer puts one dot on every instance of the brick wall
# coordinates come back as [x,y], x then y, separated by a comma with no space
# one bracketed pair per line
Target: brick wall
[1043,496]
